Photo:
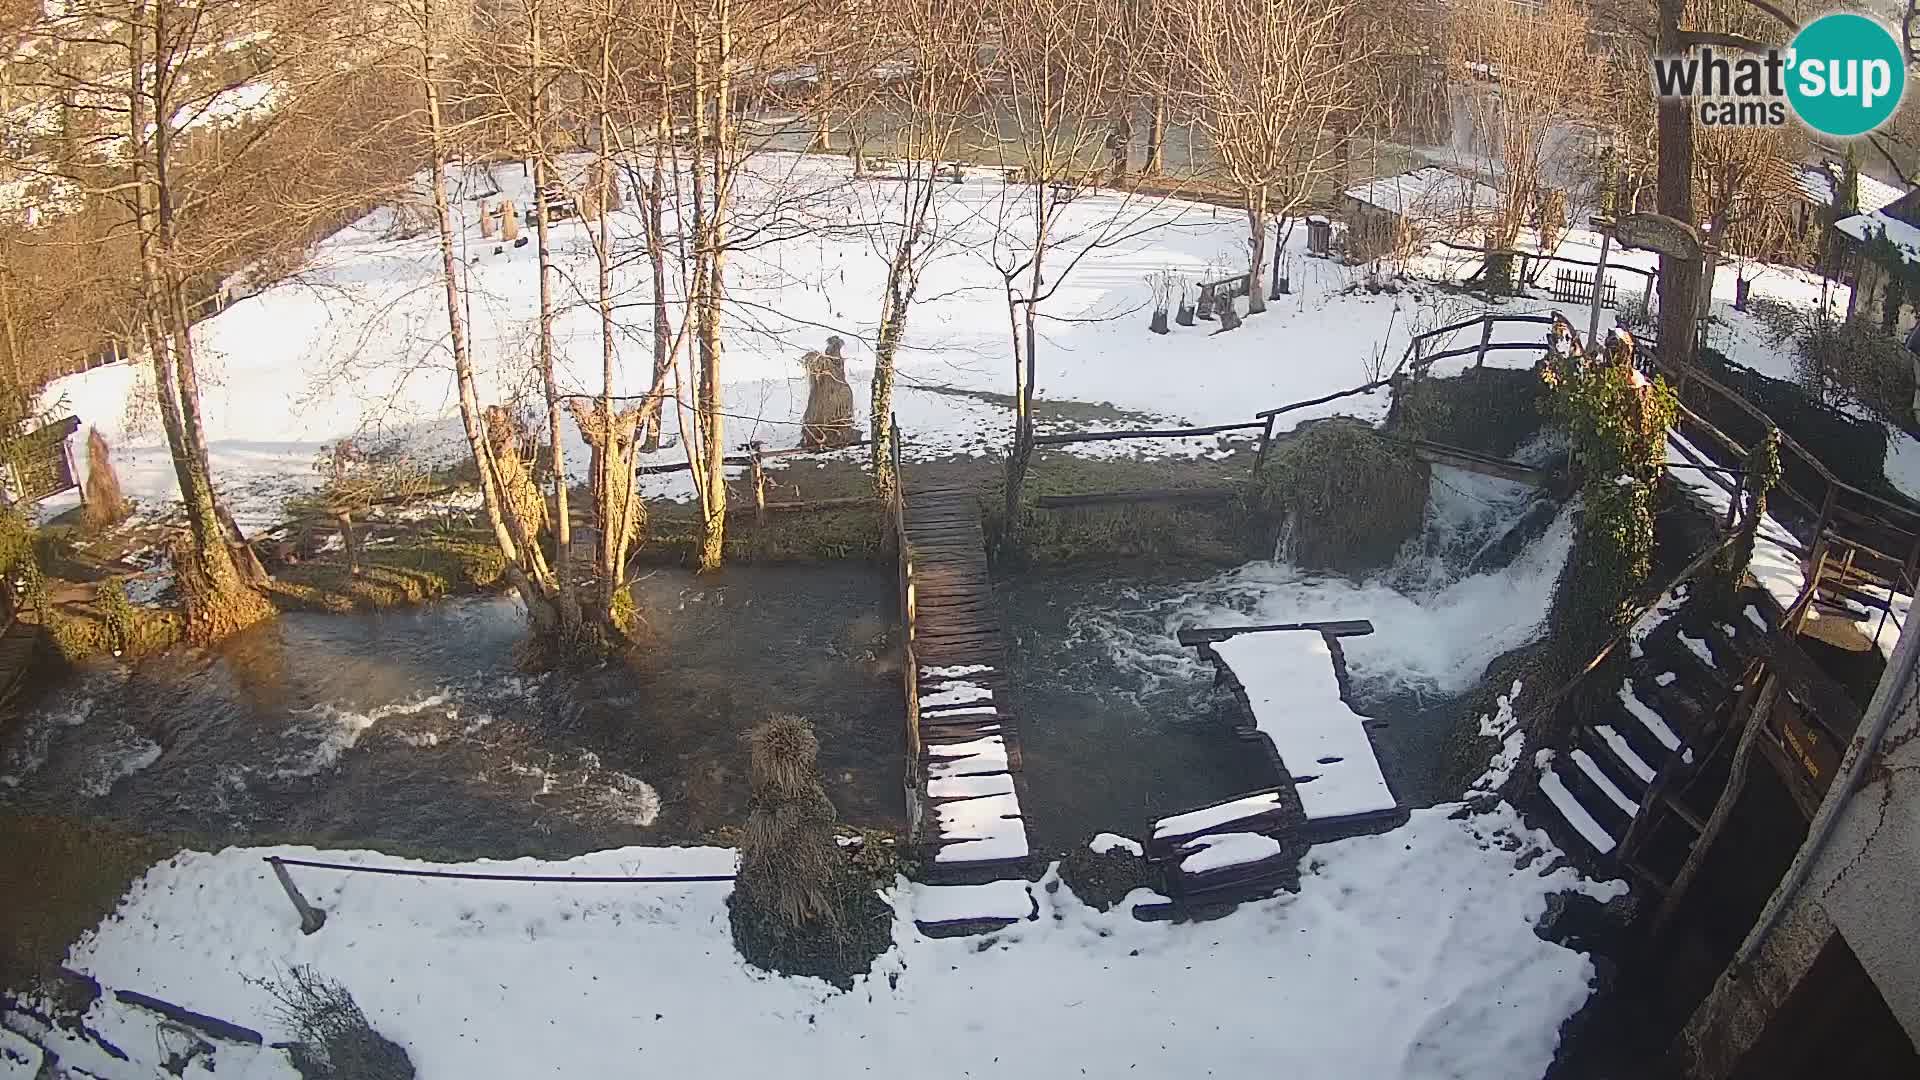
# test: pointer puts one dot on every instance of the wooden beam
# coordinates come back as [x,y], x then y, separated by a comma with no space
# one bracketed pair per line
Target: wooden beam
[1441,454]
[1101,498]
[1201,635]
[1168,433]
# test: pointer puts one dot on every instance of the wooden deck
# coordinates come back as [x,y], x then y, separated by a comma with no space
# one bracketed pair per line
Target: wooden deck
[964,783]
[953,617]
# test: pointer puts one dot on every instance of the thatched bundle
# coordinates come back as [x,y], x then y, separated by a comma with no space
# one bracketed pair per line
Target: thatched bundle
[789,863]
[519,495]
[106,505]
[828,422]
[798,906]
[1350,498]
[332,1039]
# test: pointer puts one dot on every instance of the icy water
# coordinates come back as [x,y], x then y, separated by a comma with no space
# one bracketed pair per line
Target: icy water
[1121,725]
[409,731]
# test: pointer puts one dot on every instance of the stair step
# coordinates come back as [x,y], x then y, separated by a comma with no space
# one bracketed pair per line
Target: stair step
[1652,721]
[1554,787]
[1598,777]
[1624,753]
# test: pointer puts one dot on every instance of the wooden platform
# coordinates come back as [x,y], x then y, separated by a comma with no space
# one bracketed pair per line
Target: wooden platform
[964,784]
[952,616]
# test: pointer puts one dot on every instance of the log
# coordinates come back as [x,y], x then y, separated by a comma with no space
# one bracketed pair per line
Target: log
[201,1022]
[1107,498]
[1199,635]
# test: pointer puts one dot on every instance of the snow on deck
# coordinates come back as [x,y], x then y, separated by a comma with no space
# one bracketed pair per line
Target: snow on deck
[1625,752]
[1290,683]
[1775,563]
[1648,718]
[1575,814]
[1405,955]
[1210,817]
[953,903]
[1699,648]
[1218,851]
[1604,782]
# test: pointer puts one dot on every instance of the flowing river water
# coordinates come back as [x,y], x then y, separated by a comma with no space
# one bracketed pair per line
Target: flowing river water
[414,732]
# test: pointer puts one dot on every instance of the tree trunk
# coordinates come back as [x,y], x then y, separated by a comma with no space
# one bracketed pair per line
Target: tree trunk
[1256,267]
[1679,278]
[1023,320]
[563,585]
[655,215]
[1156,137]
[470,417]
[893,324]
[712,298]
[216,600]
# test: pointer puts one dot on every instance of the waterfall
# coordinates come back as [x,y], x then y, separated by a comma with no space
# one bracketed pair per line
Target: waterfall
[1286,545]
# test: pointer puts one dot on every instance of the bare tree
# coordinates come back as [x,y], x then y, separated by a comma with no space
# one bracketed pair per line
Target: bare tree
[1270,82]
[1056,74]
[1522,67]
[932,100]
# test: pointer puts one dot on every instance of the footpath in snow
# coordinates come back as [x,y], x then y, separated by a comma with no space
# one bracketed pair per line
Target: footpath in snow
[1408,954]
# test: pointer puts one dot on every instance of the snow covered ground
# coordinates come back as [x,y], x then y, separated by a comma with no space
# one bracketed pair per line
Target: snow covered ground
[354,346]
[1410,954]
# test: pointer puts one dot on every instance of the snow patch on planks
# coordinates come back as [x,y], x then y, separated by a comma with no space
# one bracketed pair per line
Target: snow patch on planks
[1290,680]
[965,787]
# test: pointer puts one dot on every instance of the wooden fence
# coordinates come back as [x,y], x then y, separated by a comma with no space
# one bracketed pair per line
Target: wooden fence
[1574,287]
[755,459]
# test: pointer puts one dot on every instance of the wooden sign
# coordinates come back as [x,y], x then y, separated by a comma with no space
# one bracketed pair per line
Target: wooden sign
[1658,232]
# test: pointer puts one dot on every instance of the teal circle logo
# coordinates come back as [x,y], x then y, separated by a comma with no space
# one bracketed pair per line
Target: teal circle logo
[1846,74]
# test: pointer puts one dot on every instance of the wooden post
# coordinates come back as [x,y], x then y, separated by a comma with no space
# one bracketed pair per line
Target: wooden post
[1599,284]
[1486,339]
[1722,808]
[1817,565]
[1266,438]
[311,918]
[1646,297]
[759,484]
[352,543]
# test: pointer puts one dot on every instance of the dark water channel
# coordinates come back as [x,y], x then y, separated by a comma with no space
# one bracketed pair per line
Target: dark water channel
[412,731]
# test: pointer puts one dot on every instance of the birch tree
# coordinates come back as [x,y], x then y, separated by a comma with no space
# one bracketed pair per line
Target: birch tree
[184,99]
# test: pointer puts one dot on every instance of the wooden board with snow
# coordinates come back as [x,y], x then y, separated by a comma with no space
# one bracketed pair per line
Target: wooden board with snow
[1293,690]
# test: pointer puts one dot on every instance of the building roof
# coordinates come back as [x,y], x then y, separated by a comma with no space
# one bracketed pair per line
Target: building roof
[1817,181]
[1431,192]
[1863,226]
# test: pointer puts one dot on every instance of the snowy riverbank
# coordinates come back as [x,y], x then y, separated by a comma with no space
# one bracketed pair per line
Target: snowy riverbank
[1410,954]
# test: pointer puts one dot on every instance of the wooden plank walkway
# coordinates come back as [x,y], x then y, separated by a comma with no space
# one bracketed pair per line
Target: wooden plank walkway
[965,783]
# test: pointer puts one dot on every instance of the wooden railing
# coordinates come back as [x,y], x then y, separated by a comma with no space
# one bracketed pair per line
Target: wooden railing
[909,663]
[1855,538]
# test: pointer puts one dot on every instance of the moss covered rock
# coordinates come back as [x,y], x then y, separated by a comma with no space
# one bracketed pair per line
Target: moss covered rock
[1338,497]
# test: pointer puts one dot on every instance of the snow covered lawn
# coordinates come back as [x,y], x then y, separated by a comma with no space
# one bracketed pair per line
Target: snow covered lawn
[354,346]
[1407,954]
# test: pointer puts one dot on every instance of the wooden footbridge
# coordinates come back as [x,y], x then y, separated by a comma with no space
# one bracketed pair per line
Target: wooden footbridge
[963,775]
